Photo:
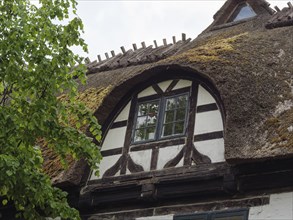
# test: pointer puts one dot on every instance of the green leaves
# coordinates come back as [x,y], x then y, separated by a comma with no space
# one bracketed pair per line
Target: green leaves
[4,202]
[37,65]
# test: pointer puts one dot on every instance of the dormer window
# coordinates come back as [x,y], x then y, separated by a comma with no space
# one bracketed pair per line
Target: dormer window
[235,12]
[160,118]
[169,123]
[243,11]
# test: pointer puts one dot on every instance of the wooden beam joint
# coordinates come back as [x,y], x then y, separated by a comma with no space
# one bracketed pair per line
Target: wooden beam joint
[148,192]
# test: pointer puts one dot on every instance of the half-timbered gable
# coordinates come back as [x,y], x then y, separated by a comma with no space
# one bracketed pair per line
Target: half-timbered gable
[165,123]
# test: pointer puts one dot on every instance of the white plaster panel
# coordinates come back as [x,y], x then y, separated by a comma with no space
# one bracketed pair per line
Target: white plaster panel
[182,84]
[123,115]
[166,154]
[164,85]
[114,138]
[142,158]
[279,208]
[147,92]
[160,217]
[208,122]
[180,164]
[214,149]
[106,163]
[204,97]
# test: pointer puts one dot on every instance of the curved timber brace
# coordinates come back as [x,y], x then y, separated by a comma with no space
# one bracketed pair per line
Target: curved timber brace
[189,152]
[125,161]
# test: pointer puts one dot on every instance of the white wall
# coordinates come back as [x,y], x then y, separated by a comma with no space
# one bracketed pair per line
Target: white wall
[123,115]
[161,217]
[142,158]
[105,164]
[207,122]
[114,138]
[147,92]
[168,153]
[164,85]
[214,149]
[204,97]
[279,208]
[182,84]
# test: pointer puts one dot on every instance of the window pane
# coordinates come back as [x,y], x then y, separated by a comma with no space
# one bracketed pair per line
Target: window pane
[180,114]
[175,114]
[146,121]
[150,133]
[142,109]
[152,121]
[141,122]
[170,103]
[169,116]
[139,135]
[153,107]
[179,127]
[167,129]
[152,114]
[182,101]
[243,11]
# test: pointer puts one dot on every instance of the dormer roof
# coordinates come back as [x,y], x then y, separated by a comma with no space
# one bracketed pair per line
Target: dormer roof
[234,12]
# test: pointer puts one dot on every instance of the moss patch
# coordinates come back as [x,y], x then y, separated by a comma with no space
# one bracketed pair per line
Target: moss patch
[279,130]
[93,97]
[213,50]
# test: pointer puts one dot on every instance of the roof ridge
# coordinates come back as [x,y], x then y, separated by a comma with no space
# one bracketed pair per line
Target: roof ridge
[136,56]
[281,18]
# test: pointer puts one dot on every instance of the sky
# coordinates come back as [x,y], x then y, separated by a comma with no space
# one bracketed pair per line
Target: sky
[110,24]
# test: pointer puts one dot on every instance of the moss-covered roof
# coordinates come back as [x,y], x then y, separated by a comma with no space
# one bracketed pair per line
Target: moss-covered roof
[92,97]
[250,66]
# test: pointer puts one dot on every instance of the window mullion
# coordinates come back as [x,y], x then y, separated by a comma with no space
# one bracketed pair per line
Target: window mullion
[174,116]
[174,121]
[161,115]
[209,216]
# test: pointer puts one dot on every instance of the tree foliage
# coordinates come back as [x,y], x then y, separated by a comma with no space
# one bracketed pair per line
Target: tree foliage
[37,65]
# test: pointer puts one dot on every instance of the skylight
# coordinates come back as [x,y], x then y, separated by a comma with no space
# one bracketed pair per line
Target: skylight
[243,11]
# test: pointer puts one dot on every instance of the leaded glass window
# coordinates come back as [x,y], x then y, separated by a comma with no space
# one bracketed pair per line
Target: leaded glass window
[161,118]
[146,123]
[174,115]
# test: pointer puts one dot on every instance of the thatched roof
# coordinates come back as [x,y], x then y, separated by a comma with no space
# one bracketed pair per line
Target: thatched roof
[251,67]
